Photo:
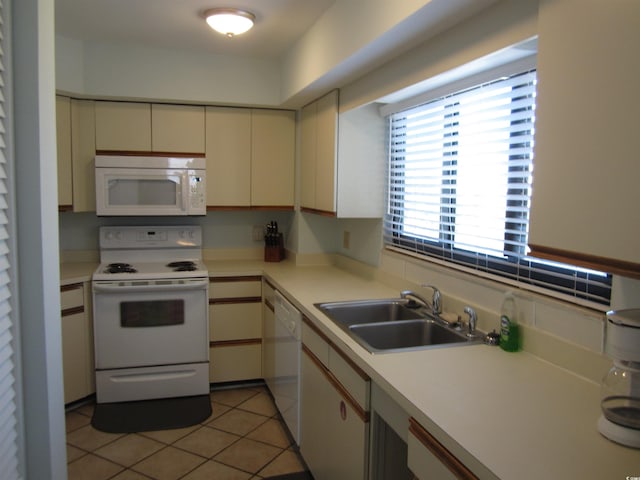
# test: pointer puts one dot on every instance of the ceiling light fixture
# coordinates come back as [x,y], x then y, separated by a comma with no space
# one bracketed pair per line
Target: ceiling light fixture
[229,21]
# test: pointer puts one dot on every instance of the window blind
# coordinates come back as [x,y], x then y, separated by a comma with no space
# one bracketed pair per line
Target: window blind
[9,454]
[460,176]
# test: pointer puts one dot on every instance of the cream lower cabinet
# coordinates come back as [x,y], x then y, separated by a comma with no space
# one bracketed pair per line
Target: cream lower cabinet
[268,332]
[428,458]
[235,328]
[77,342]
[334,411]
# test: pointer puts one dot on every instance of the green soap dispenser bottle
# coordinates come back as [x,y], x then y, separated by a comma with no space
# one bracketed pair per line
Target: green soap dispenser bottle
[509,329]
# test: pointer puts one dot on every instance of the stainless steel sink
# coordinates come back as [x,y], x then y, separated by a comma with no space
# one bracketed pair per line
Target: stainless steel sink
[407,334]
[392,325]
[346,314]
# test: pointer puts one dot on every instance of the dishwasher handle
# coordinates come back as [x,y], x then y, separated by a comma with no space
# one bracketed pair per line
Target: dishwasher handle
[287,315]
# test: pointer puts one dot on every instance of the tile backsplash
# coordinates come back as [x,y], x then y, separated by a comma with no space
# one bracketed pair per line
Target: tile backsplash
[568,335]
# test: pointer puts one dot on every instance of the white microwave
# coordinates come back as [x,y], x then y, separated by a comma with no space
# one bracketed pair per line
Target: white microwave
[148,185]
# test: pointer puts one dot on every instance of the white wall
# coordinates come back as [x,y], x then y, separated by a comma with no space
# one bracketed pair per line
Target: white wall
[111,70]
[221,230]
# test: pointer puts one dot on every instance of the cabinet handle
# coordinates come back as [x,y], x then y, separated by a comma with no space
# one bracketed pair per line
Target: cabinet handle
[343,410]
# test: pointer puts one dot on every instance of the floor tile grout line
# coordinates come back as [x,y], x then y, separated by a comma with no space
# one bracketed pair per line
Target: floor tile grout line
[208,423]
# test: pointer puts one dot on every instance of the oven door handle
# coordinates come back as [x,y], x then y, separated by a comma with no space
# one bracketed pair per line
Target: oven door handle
[101,288]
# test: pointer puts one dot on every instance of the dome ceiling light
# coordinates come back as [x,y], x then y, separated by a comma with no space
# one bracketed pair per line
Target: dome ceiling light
[229,21]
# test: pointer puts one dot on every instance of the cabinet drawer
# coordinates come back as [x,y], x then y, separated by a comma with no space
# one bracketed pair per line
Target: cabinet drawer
[230,363]
[355,381]
[72,296]
[222,288]
[315,343]
[233,321]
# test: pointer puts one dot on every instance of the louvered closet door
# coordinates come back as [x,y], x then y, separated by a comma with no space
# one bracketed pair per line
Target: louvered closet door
[8,409]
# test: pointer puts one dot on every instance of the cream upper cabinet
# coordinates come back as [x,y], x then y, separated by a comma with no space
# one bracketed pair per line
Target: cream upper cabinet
[123,126]
[63,138]
[144,127]
[177,128]
[308,141]
[319,152]
[250,157]
[228,147]
[83,151]
[272,158]
[342,159]
[585,182]
[75,123]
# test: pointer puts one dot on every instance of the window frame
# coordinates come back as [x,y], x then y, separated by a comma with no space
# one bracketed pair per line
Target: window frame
[571,283]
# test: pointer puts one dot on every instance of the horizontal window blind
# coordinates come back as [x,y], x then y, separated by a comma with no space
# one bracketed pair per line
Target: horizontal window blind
[459,184]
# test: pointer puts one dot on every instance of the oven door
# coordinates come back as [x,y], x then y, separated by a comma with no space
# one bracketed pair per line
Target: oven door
[141,191]
[150,322]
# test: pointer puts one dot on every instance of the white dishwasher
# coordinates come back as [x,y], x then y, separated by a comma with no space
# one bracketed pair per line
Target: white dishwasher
[285,384]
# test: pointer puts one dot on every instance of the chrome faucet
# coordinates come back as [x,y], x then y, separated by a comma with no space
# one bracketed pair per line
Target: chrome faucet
[473,320]
[436,299]
[410,293]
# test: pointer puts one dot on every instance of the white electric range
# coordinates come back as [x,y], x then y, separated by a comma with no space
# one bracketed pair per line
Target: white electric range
[150,314]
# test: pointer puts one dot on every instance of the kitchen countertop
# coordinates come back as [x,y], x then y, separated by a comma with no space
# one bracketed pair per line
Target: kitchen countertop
[504,415]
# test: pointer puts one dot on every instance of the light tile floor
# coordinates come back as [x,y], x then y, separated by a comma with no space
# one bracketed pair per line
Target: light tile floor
[244,438]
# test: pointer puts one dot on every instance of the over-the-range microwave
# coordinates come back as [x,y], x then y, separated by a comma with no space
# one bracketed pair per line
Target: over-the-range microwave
[148,185]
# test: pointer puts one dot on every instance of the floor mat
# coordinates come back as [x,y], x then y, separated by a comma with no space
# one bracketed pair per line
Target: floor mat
[292,476]
[148,415]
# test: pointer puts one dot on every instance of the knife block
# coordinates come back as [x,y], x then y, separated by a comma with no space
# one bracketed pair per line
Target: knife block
[274,252]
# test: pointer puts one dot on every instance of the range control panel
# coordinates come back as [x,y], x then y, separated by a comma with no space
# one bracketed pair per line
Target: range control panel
[178,236]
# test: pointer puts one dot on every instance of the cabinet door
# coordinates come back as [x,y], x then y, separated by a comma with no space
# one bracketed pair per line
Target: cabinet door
[177,128]
[334,437]
[76,338]
[272,157]
[308,147]
[585,192]
[327,115]
[83,151]
[123,126]
[314,435]
[228,147]
[63,144]
[74,356]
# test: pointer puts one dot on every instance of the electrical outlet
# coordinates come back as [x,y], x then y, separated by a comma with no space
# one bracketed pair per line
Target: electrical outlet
[257,233]
[346,239]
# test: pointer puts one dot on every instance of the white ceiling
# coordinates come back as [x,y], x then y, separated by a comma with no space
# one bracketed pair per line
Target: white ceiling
[177,24]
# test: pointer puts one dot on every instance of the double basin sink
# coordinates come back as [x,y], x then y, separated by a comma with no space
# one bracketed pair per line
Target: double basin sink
[390,325]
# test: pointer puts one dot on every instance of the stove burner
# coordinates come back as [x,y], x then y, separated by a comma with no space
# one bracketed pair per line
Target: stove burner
[120,268]
[183,266]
